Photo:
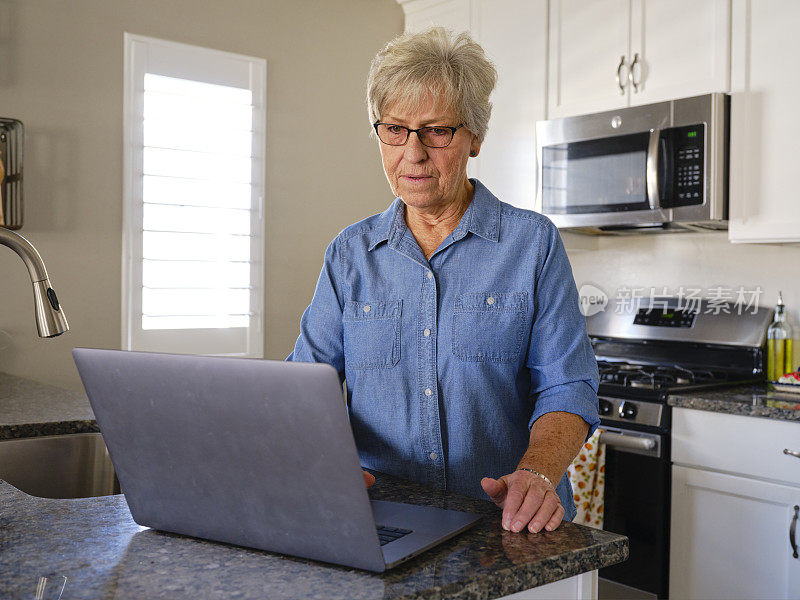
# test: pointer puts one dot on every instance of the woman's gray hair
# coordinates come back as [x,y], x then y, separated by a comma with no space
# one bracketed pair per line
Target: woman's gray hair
[452,67]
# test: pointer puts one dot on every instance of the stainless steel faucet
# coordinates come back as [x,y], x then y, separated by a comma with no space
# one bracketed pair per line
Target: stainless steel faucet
[50,319]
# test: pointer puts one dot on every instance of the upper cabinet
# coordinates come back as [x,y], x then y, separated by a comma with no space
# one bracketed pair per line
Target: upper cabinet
[514,35]
[608,54]
[765,129]
[589,56]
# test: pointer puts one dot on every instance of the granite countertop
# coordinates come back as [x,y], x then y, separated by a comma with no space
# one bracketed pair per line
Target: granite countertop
[95,544]
[95,550]
[29,409]
[748,400]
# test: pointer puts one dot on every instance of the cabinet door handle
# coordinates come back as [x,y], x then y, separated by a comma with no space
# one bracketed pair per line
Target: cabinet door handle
[792,529]
[620,79]
[632,75]
[791,453]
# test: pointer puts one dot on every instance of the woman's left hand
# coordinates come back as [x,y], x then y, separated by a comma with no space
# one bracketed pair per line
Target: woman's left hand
[527,500]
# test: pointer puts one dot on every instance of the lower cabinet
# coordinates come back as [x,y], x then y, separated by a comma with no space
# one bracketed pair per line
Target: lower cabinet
[579,587]
[735,504]
[730,537]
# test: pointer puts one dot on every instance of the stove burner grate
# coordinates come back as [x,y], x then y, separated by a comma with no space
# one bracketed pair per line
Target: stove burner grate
[656,377]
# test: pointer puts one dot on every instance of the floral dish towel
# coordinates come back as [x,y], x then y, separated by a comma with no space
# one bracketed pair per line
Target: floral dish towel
[588,477]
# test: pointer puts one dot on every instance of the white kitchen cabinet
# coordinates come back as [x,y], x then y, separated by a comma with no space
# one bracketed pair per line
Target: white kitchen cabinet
[734,494]
[579,587]
[608,54]
[764,126]
[514,35]
[589,42]
[683,46]
[730,537]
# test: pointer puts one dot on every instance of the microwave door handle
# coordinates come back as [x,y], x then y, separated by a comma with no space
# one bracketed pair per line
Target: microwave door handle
[652,170]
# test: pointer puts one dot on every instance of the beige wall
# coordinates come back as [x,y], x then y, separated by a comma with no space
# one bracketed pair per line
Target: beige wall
[61,67]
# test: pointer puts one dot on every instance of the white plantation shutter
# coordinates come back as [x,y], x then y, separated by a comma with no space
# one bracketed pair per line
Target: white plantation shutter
[193,232]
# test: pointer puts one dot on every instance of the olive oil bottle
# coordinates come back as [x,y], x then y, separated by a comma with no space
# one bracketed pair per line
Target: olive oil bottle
[779,344]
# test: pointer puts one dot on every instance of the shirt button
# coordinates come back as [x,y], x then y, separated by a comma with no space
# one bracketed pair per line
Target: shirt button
[428,392]
[426,333]
[367,308]
[433,455]
[490,300]
[430,275]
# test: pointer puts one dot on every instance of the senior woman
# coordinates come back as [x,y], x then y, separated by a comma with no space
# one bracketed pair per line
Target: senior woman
[452,316]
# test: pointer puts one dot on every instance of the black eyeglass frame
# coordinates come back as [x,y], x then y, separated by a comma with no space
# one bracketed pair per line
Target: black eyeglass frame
[409,131]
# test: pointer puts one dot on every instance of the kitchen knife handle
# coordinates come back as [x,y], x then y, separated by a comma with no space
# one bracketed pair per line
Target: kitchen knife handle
[791,453]
[792,528]
[620,79]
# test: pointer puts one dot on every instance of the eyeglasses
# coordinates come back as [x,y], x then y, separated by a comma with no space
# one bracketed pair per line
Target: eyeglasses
[438,136]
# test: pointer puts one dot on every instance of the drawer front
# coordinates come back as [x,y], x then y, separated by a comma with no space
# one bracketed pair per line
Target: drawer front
[748,445]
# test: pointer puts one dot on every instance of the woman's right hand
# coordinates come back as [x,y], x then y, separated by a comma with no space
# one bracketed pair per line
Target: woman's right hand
[369,478]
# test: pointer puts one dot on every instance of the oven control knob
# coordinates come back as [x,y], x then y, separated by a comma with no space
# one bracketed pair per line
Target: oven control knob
[627,410]
[606,407]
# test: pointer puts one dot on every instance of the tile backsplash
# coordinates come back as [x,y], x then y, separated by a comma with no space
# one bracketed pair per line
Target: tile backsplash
[707,261]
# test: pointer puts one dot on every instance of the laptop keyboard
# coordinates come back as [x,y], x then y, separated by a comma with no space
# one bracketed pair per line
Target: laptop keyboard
[390,534]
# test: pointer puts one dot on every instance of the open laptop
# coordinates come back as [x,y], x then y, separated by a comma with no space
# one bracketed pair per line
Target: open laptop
[251,452]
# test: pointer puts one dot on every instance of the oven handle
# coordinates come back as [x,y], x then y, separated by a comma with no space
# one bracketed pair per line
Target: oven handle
[618,440]
[652,170]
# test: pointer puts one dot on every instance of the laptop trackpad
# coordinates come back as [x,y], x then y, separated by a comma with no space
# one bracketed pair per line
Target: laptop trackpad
[428,526]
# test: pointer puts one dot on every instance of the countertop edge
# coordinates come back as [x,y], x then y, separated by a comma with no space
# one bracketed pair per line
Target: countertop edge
[37,429]
[522,578]
[749,401]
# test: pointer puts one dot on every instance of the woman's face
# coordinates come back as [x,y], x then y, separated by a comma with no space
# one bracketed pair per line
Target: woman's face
[428,178]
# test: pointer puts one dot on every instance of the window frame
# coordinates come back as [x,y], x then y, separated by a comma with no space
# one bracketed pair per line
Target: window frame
[151,55]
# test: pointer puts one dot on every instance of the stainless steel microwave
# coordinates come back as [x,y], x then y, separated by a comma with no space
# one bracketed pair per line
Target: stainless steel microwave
[657,167]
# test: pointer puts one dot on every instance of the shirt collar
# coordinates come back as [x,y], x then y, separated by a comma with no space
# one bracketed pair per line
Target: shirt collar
[482,218]
[387,225]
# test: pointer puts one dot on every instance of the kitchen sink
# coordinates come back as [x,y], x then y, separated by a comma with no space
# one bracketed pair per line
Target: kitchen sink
[59,466]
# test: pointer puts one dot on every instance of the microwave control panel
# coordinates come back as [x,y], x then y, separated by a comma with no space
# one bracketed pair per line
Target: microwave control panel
[688,145]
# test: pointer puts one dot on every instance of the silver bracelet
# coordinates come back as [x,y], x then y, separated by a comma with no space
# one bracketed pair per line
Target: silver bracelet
[550,483]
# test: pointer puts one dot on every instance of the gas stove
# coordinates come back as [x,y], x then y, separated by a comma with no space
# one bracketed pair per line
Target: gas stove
[652,348]
[646,351]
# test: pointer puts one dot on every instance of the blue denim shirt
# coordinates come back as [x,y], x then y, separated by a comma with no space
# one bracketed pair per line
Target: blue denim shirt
[449,360]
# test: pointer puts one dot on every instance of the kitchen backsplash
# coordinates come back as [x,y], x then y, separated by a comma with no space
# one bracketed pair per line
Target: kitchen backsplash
[706,261]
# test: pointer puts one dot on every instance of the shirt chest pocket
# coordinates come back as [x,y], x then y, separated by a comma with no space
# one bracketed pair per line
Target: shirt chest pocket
[489,327]
[372,334]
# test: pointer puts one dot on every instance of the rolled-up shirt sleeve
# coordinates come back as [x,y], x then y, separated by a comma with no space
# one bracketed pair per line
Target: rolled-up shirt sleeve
[321,334]
[563,369]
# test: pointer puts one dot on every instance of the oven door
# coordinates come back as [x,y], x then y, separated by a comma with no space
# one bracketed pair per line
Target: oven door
[637,505]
